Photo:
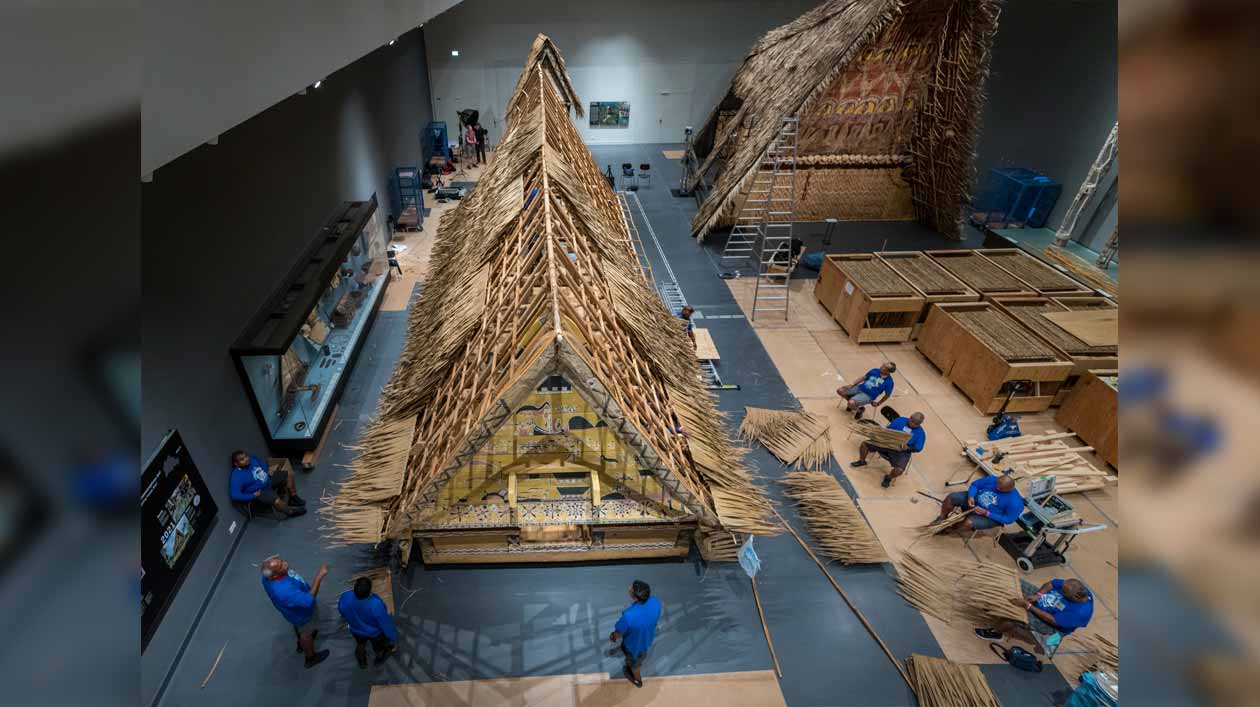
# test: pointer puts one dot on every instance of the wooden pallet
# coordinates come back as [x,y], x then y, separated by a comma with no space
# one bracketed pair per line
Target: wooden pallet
[1091,411]
[972,364]
[868,317]
[1029,269]
[943,287]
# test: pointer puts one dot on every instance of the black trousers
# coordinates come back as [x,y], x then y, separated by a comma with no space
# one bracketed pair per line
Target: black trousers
[380,643]
[481,152]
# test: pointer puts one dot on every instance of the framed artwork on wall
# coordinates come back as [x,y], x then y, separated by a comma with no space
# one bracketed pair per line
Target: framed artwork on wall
[610,114]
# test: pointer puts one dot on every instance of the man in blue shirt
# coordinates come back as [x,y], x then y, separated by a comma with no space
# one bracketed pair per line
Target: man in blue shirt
[369,620]
[874,388]
[685,315]
[993,501]
[898,459]
[637,628]
[1059,606]
[252,481]
[295,600]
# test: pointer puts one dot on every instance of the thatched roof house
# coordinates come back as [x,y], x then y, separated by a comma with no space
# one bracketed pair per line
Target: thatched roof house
[546,405]
[889,95]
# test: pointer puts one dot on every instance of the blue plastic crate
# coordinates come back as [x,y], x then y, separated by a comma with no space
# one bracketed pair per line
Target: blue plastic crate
[1014,197]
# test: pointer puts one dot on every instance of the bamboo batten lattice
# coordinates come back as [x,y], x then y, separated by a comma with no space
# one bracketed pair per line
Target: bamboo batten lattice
[926,275]
[1108,652]
[981,274]
[1030,315]
[942,683]
[1004,335]
[792,437]
[1092,276]
[1032,271]
[974,594]
[833,520]
[535,274]
[874,277]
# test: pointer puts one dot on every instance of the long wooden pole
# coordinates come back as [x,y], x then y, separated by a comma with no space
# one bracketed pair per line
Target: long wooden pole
[856,612]
[766,629]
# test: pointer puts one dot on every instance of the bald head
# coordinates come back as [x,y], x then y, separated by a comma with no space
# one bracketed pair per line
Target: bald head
[1005,484]
[1075,590]
[887,368]
[274,566]
[916,419]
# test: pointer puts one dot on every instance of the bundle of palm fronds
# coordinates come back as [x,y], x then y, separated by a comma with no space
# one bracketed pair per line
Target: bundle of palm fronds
[834,521]
[965,593]
[793,437]
[878,436]
[382,584]
[936,527]
[717,545]
[942,683]
[1108,653]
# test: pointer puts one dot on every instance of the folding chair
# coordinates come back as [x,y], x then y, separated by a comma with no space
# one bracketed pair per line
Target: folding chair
[627,175]
[644,174]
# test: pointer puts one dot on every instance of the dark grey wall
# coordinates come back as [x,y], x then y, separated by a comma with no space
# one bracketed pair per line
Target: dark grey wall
[1052,94]
[221,224]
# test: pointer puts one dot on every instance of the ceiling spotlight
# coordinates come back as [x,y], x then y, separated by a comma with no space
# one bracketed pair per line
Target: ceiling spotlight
[454,52]
[317,83]
[391,42]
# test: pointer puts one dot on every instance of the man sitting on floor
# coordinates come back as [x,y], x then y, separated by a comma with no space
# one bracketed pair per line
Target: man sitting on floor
[898,459]
[1059,606]
[369,620]
[878,383]
[994,499]
[252,481]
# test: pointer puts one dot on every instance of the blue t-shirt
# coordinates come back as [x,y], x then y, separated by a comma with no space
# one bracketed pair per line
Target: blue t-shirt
[874,384]
[637,626]
[244,482]
[917,436]
[1002,507]
[367,617]
[291,596]
[1068,615]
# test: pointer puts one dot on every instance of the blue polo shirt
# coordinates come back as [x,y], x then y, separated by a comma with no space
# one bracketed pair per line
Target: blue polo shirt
[1002,507]
[637,626]
[874,384]
[291,596]
[1068,615]
[917,436]
[367,617]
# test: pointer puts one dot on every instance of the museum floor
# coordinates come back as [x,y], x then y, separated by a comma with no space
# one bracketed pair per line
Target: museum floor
[502,623]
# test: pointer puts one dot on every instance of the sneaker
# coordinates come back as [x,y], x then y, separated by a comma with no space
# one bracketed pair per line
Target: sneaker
[857,464]
[886,482]
[296,500]
[295,512]
[380,657]
[630,676]
[317,659]
[858,415]
[988,634]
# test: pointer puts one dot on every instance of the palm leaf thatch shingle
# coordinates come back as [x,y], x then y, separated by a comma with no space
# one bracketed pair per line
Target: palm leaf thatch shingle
[535,272]
[792,66]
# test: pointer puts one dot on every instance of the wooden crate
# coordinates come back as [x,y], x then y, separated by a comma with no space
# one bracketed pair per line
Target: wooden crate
[1017,262]
[1091,411]
[952,259]
[973,365]
[869,317]
[931,295]
[827,288]
[1082,360]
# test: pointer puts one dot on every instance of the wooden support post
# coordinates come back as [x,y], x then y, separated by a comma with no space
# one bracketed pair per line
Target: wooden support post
[512,491]
[595,494]
[766,629]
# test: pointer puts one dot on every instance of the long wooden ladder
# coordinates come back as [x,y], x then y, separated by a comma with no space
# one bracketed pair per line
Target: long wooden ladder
[774,188]
[1102,165]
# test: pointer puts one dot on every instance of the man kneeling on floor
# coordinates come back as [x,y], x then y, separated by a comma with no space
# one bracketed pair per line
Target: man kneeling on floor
[994,499]
[637,628]
[898,459]
[253,481]
[1059,606]
[369,620]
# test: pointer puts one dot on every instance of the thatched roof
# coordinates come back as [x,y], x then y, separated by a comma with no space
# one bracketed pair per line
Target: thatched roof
[792,65]
[535,274]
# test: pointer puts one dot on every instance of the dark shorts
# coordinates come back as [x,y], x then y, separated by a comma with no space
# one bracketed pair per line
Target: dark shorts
[977,522]
[380,642]
[899,459]
[279,483]
[1034,623]
[311,623]
[633,661]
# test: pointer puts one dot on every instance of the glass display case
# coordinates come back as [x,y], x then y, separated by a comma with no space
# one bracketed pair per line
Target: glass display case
[297,351]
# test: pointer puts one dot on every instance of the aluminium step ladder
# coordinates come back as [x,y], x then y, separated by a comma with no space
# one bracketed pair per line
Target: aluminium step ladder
[774,190]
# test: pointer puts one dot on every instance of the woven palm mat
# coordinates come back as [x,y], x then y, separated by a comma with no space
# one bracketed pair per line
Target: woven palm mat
[925,274]
[942,683]
[834,521]
[980,273]
[874,277]
[1032,271]
[1004,335]
[792,437]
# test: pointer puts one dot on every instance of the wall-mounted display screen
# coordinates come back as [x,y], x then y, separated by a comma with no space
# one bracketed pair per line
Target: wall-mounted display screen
[610,114]
[176,514]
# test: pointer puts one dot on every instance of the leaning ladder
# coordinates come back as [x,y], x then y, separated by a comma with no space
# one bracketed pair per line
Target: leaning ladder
[774,187]
[1102,165]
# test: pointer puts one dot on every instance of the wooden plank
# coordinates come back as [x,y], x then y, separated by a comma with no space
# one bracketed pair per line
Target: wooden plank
[310,458]
[1096,327]
[595,492]
[706,350]
[512,491]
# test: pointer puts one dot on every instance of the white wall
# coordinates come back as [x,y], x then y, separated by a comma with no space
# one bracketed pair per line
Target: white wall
[209,66]
[671,59]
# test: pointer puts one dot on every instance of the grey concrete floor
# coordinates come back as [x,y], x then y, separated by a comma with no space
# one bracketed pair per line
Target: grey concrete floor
[486,622]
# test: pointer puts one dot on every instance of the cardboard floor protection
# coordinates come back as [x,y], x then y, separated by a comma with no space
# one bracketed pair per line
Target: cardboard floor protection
[747,689]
